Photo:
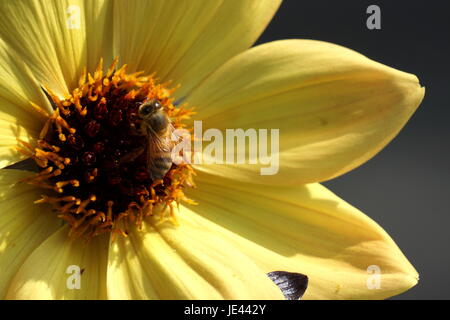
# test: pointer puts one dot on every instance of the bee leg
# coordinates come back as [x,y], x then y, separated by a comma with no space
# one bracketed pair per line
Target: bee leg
[136,130]
[132,155]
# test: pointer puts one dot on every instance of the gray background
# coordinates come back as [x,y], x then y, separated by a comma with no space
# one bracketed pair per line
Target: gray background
[405,188]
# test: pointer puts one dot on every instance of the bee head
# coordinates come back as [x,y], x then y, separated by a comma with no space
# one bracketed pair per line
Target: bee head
[149,107]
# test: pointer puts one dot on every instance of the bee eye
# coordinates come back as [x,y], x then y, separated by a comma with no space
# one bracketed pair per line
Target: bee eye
[149,107]
[146,109]
[156,105]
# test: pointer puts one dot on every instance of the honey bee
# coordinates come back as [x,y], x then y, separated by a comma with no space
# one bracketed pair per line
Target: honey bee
[158,128]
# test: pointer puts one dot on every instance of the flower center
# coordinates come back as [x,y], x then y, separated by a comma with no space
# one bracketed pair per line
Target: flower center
[102,162]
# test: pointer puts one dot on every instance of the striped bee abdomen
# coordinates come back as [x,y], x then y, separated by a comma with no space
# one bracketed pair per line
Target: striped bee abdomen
[160,165]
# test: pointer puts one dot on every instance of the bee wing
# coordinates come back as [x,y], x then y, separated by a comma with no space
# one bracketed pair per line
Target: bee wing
[173,135]
[159,152]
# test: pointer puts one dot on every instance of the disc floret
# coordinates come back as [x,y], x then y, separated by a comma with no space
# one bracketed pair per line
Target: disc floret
[84,148]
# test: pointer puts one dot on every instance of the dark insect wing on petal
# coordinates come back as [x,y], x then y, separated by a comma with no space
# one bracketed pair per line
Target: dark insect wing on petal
[293,285]
[52,103]
[27,164]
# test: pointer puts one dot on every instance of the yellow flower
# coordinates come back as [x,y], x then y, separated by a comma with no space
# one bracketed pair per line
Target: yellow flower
[335,109]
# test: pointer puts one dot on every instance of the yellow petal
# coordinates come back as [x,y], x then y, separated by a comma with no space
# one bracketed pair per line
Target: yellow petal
[184,40]
[185,262]
[23,224]
[63,269]
[51,37]
[99,28]
[41,46]
[304,229]
[335,108]
[18,119]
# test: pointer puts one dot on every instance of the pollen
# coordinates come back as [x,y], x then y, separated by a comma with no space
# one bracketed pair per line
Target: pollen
[93,156]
